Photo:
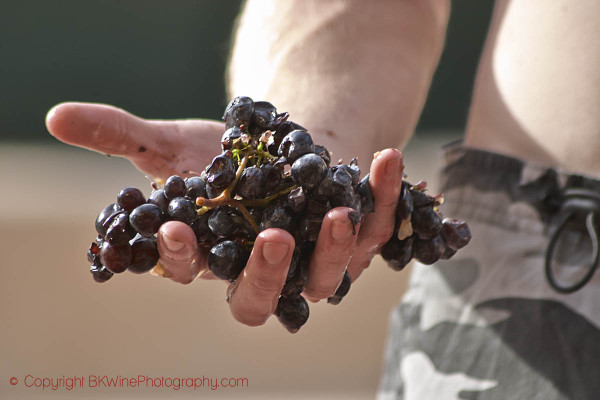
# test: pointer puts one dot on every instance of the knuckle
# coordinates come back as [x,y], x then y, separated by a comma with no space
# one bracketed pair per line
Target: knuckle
[264,289]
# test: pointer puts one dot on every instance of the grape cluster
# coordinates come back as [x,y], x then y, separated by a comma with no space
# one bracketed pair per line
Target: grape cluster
[420,230]
[270,174]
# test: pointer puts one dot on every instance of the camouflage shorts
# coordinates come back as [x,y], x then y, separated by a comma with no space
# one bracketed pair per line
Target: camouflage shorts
[487,324]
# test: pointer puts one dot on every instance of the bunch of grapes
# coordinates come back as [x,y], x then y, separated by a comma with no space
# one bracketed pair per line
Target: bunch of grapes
[270,174]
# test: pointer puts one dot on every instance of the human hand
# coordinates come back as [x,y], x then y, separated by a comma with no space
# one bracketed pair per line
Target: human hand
[164,148]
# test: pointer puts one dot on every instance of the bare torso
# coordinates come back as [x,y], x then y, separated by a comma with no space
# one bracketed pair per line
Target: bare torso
[537,94]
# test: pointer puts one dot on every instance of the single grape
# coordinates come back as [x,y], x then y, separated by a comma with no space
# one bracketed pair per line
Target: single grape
[405,202]
[428,251]
[297,199]
[342,290]
[309,170]
[398,253]
[129,198]
[229,136]
[221,172]
[146,219]
[144,255]
[158,197]
[251,183]
[182,209]
[363,189]
[226,260]
[101,221]
[292,312]
[201,229]
[195,187]
[295,144]
[265,117]
[100,273]
[322,152]
[119,230]
[174,187]
[278,216]
[116,257]
[223,222]
[426,222]
[456,233]
[238,112]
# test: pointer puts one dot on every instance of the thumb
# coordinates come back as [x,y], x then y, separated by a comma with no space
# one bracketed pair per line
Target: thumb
[179,255]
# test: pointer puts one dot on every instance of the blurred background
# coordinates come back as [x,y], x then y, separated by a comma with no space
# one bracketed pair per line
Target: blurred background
[160,60]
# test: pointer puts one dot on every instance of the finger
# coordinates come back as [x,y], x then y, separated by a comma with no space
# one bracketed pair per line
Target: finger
[156,147]
[385,182]
[179,255]
[333,251]
[254,295]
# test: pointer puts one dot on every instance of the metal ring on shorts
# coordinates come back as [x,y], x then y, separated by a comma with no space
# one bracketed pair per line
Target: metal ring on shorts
[576,201]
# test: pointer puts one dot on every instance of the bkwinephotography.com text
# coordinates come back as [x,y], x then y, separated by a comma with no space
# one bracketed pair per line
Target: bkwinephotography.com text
[92,382]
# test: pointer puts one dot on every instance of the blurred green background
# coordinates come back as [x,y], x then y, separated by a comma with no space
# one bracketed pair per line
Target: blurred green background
[162,59]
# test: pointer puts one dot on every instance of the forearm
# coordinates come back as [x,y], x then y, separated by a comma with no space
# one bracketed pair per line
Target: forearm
[355,73]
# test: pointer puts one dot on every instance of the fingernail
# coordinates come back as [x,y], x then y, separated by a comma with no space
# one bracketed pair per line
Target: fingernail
[274,253]
[171,244]
[392,167]
[341,231]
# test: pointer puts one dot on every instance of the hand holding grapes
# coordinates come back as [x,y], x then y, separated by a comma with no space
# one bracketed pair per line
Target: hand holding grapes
[164,148]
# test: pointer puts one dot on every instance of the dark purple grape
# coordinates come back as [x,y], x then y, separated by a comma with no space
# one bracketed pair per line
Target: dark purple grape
[421,199]
[129,198]
[296,144]
[317,205]
[292,312]
[116,257]
[101,220]
[224,221]
[195,187]
[265,117]
[405,202]
[344,197]
[100,273]
[398,253]
[251,183]
[282,130]
[428,251]
[229,136]
[182,209]
[238,112]
[277,216]
[456,233]
[426,222]
[322,152]
[309,170]
[158,197]
[201,228]
[309,227]
[342,290]
[119,230]
[144,255]
[226,260]
[146,219]
[363,189]
[272,176]
[297,199]
[352,170]
[221,172]
[174,187]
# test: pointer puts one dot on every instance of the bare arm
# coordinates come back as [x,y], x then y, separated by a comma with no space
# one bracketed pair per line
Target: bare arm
[355,73]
